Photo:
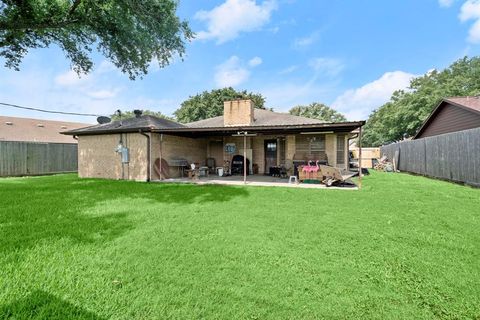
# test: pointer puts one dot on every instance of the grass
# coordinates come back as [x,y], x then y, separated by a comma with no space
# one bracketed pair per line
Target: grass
[402,247]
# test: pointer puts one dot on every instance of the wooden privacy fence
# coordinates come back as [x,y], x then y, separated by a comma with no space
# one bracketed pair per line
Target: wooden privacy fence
[35,158]
[452,156]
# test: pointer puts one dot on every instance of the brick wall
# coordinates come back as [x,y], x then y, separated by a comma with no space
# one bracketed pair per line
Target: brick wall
[173,147]
[238,112]
[97,157]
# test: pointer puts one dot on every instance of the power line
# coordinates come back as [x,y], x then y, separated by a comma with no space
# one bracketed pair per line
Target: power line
[50,111]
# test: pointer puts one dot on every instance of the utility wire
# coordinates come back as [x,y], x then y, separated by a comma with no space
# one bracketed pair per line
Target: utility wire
[50,111]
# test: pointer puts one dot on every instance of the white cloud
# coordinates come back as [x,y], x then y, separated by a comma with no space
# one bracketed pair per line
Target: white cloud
[70,78]
[471,11]
[327,66]
[445,3]
[226,21]
[105,67]
[357,104]
[231,73]
[103,93]
[255,61]
[288,70]
[306,41]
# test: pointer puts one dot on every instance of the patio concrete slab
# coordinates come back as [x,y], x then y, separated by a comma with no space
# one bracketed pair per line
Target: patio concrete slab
[253,180]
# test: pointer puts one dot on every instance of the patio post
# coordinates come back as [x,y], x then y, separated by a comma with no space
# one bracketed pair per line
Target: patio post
[245,157]
[160,165]
[360,158]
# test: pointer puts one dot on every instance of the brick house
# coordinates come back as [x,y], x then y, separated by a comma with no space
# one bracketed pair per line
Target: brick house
[156,147]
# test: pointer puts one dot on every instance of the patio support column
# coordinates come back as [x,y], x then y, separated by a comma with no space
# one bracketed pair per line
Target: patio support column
[245,158]
[160,165]
[360,158]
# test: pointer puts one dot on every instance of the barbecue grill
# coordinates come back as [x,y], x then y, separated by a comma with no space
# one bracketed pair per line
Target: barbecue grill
[237,164]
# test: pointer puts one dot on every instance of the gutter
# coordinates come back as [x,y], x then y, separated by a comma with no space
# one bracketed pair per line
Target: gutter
[149,154]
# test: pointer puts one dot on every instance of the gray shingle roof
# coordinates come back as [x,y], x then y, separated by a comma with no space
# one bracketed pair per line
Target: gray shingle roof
[130,124]
[261,118]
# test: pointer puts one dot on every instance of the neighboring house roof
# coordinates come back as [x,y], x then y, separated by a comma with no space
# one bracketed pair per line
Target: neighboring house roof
[451,115]
[36,130]
[146,123]
[261,118]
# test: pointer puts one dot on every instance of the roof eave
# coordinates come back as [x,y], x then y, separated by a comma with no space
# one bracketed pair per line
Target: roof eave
[106,131]
[316,126]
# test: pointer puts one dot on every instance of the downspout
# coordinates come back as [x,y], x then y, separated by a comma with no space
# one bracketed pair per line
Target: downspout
[149,154]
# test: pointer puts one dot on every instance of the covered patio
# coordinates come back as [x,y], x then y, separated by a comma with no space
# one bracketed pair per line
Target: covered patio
[253,156]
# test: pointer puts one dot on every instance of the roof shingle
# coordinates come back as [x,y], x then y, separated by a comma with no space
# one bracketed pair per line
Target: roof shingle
[36,130]
[468,102]
[261,118]
[129,124]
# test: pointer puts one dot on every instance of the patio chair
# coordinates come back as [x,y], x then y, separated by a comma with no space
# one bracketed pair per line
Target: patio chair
[211,165]
[193,172]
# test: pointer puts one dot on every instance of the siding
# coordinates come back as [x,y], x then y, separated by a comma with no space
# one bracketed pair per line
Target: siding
[450,118]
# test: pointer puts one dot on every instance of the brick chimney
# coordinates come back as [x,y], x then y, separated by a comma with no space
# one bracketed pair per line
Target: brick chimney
[238,113]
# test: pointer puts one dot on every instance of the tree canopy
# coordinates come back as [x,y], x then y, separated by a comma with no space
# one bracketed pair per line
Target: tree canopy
[403,115]
[210,104]
[319,111]
[131,34]
[130,114]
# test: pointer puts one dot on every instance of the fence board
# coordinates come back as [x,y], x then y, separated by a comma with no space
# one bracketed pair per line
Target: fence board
[453,156]
[36,158]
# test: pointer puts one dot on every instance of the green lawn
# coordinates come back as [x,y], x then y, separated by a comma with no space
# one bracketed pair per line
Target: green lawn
[403,247]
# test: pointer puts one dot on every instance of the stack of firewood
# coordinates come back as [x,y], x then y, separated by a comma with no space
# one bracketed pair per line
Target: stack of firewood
[384,165]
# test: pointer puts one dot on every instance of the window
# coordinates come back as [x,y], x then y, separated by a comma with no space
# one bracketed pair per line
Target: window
[310,147]
[341,149]
[272,146]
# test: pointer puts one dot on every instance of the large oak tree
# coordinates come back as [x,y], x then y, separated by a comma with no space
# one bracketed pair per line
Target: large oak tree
[403,115]
[130,33]
[209,104]
[318,111]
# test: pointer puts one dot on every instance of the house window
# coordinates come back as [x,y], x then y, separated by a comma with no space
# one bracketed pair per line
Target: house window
[272,146]
[310,147]
[341,149]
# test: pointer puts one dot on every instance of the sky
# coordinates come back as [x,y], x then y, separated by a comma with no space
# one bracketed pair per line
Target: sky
[348,54]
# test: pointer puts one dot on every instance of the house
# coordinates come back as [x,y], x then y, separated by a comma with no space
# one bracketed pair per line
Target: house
[36,130]
[451,115]
[142,147]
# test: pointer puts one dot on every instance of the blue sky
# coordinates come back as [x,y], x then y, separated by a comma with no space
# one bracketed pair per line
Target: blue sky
[348,54]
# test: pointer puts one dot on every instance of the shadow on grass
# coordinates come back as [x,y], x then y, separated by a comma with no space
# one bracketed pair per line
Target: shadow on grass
[54,207]
[41,305]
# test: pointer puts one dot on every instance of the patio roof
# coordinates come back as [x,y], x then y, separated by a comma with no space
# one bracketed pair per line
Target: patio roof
[345,127]
[267,122]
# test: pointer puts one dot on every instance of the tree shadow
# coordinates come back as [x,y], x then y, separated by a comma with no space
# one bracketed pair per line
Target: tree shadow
[57,207]
[41,305]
